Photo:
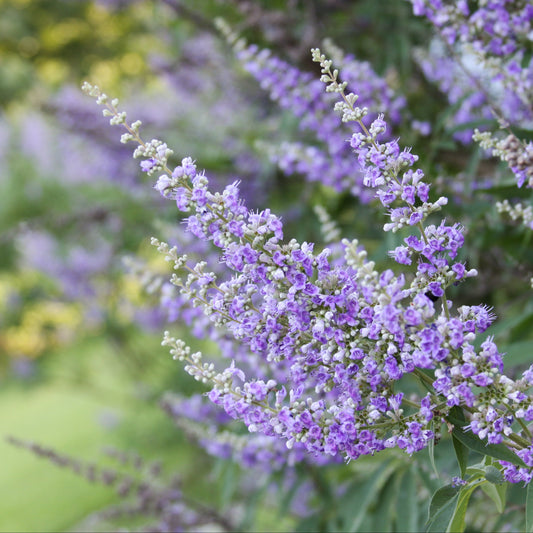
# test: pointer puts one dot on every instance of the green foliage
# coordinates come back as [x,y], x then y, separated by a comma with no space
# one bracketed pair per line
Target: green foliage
[53,43]
[529,510]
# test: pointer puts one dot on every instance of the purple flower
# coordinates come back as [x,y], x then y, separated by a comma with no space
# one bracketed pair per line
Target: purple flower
[148,164]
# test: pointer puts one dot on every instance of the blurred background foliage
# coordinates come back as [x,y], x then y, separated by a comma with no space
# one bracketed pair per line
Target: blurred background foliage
[44,45]
[80,356]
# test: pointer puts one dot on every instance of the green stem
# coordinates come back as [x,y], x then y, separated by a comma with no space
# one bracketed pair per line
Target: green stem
[525,429]
[424,377]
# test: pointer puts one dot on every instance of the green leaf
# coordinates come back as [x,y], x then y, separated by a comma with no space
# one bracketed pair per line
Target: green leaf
[429,482]
[358,497]
[494,475]
[506,325]
[526,58]
[477,470]
[441,508]
[457,522]
[431,451]
[497,493]
[503,184]
[441,497]
[524,134]
[461,453]
[445,144]
[309,523]
[498,451]
[406,504]
[507,188]
[229,476]
[529,509]
[445,116]
[523,329]
[458,414]
[383,514]
[253,502]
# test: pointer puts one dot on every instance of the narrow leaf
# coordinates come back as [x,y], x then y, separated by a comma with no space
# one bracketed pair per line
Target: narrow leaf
[497,493]
[383,514]
[372,489]
[287,497]
[406,504]
[252,504]
[475,471]
[471,125]
[309,523]
[526,58]
[458,414]
[529,509]
[461,454]
[431,451]
[441,497]
[429,482]
[229,484]
[457,522]
[359,496]
[441,508]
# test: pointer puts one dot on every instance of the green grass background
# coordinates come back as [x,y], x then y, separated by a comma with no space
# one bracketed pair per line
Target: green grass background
[85,386]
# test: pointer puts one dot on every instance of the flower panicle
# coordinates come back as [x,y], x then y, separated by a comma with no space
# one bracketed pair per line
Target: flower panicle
[339,336]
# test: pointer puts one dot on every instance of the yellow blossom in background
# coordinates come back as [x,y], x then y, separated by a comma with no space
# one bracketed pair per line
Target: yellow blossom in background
[44,325]
[49,44]
[31,319]
[132,290]
[22,342]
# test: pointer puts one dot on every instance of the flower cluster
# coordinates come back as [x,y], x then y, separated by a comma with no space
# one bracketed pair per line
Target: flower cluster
[469,105]
[301,94]
[209,426]
[497,28]
[517,154]
[331,342]
[517,212]
[491,72]
[405,194]
[459,368]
